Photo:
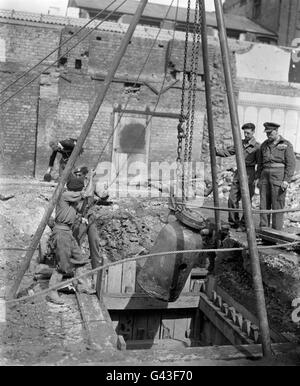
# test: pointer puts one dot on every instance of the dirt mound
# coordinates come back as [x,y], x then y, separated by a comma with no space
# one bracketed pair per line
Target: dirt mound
[128,228]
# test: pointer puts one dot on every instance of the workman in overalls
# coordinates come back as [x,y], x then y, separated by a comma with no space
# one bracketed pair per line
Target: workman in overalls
[251,151]
[276,167]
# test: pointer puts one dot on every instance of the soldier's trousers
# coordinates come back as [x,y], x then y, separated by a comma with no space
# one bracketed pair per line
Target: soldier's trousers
[80,230]
[235,197]
[67,252]
[272,197]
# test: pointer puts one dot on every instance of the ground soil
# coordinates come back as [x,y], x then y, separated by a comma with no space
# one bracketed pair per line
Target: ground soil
[38,332]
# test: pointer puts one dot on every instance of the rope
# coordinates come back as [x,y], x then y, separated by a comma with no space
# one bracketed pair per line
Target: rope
[45,69]
[57,48]
[138,257]
[17,249]
[255,211]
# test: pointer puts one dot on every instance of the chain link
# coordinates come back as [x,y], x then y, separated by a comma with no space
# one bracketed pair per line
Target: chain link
[181,134]
[195,78]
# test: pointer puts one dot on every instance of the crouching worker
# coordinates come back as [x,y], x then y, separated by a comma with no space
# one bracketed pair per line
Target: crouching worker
[69,259]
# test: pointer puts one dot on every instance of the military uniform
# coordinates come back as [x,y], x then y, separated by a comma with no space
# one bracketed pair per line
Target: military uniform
[251,151]
[67,250]
[276,164]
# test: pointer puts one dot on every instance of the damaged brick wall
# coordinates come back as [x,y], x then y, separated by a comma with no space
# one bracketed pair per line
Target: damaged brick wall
[24,46]
[57,105]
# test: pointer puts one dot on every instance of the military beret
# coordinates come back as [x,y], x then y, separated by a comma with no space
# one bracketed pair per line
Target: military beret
[75,184]
[270,126]
[250,126]
[83,170]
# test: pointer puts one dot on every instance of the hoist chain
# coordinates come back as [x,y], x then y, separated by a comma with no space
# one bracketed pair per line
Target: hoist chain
[181,134]
[195,78]
[191,100]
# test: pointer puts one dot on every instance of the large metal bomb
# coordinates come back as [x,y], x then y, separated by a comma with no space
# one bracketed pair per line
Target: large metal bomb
[164,277]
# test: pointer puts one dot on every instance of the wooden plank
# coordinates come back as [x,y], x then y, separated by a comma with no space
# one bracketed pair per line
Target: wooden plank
[144,302]
[198,273]
[278,234]
[275,336]
[278,237]
[105,282]
[180,328]
[154,321]
[114,279]
[128,277]
[157,344]
[167,326]
[227,353]
[224,325]
[187,286]
[189,327]
[99,322]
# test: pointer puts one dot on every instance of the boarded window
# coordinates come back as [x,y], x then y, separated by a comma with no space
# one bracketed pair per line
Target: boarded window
[132,138]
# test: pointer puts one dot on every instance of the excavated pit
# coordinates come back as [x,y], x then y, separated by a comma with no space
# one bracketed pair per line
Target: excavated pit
[37,331]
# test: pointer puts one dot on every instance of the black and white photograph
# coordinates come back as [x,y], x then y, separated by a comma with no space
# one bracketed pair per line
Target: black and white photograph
[149,186]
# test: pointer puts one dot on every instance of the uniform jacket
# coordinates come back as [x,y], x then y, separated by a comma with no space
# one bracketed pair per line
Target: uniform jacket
[251,152]
[66,208]
[278,152]
[68,146]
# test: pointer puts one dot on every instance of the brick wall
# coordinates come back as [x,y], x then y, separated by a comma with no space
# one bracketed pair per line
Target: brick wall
[56,106]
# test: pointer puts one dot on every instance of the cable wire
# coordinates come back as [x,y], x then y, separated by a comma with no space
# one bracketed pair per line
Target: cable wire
[139,257]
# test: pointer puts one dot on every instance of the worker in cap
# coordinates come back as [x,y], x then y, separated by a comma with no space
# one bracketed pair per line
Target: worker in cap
[85,223]
[65,148]
[251,149]
[276,167]
[68,255]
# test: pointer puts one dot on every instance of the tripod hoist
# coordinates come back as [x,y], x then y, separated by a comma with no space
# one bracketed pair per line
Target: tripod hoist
[164,277]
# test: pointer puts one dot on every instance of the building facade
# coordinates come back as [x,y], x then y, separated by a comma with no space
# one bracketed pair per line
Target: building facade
[163,16]
[139,116]
[280,16]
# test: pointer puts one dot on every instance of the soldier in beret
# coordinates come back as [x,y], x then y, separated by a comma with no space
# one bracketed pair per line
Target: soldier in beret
[276,167]
[68,255]
[251,150]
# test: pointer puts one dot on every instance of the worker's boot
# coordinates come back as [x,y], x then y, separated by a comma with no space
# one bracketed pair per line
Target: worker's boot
[53,296]
[83,284]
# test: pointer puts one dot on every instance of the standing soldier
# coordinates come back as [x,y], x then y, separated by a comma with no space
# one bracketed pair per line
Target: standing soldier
[276,167]
[251,150]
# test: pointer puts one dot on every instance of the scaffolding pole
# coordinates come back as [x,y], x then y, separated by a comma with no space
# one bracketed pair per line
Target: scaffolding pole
[211,133]
[251,236]
[12,292]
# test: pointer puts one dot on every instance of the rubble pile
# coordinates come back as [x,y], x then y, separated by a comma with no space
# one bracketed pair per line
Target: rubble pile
[129,229]
[235,280]
[292,220]
[293,201]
